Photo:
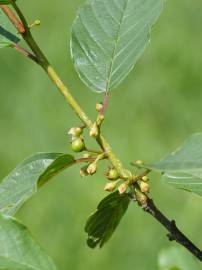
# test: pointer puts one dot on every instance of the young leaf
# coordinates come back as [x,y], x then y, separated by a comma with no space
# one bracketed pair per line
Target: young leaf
[18,250]
[101,224]
[183,168]
[176,258]
[8,33]
[23,182]
[108,37]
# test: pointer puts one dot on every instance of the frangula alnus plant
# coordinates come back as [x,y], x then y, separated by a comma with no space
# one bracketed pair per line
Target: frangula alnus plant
[107,39]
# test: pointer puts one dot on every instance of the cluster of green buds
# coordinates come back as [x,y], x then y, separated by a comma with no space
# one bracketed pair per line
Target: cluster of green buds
[94,131]
[77,141]
[114,177]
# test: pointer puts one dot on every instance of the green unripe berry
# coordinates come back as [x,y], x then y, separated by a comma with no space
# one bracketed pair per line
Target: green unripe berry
[112,174]
[78,145]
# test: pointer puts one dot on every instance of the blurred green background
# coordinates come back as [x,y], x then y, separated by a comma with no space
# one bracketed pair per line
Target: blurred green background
[150,114]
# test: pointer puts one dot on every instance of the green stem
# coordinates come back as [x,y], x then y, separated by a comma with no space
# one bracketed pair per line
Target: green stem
[44,63]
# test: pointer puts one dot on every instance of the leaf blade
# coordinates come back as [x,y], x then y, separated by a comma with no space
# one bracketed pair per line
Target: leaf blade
[102,49]
[103,222]
[183,167]
[18,249]
[22,182]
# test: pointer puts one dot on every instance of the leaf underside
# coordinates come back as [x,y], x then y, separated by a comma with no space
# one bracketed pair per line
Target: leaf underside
[108,37]
[23,182]
[101,225]
[183,168]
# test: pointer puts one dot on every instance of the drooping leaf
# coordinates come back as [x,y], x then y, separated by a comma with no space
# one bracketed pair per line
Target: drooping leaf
[22,183]
[101,224]
[108,37]
[177,258]
[8,33]
[183,168]
[18,250]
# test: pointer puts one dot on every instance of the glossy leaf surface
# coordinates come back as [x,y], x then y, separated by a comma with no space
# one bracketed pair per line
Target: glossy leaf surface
[108,37]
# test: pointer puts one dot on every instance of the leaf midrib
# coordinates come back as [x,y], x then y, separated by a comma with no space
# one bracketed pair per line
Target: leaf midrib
[115,47]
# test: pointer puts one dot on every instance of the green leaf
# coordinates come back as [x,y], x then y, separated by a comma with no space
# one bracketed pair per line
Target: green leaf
[183,168]
[8,33]
[108,37]
[23,182]
[101,224]
[177,258]
[18,250]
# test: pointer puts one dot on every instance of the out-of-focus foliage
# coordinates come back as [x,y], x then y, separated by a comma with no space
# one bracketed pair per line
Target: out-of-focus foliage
[183,167]
[160,106]
[177,258]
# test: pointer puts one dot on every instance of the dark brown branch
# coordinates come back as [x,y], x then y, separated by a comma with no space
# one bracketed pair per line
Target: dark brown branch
[174,233]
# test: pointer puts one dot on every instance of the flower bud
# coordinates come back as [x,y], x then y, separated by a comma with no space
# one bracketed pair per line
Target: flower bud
[83,171]
[86,155]
[112,174]
[78,145]
[75,131]
[100,119]
[139,162]
[144,187]
[37,22]
[122,188]
[110,186]
[94,131]
[92,168]
[145,178]
[99,107]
